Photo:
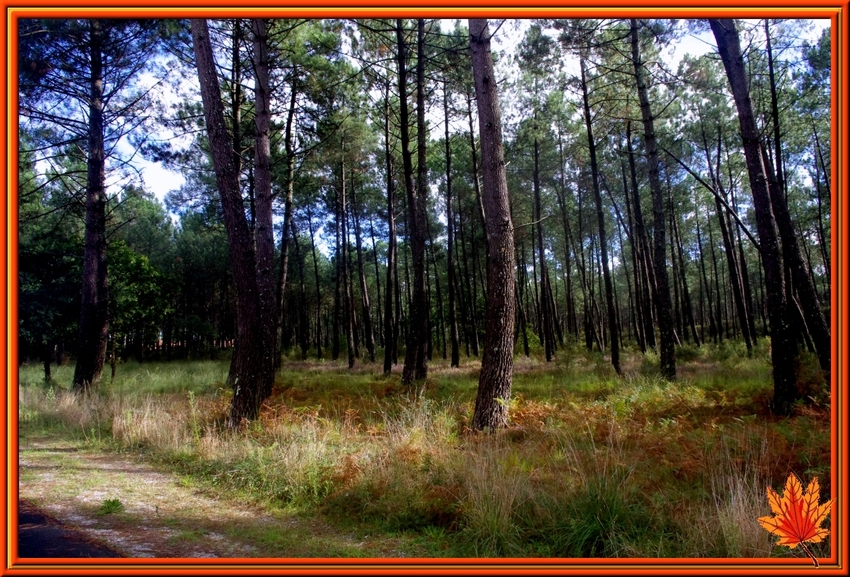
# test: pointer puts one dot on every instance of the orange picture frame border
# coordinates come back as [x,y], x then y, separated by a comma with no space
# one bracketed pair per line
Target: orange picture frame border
[836,11]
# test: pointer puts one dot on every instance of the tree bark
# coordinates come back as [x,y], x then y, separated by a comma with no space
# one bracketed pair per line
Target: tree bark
[494,382]
[663,304]
[468,285]
[390,320]
[453,328]
[251,368]
[416,355]
[264,232]
[808,297]
[94,306]
[475,182]
[783,345]
[600,220]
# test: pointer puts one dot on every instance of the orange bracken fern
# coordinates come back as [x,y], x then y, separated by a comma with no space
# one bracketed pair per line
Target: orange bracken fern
[797,515]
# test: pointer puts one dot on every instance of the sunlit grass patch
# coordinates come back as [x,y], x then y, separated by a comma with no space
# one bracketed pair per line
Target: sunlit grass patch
[653,397]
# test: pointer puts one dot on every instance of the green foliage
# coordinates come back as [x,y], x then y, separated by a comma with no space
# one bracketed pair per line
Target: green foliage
[689,353]
[49,263]
[137,294]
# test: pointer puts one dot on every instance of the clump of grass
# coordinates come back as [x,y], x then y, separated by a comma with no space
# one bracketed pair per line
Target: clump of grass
[110,506]
[494,490]
[650,363]
[739,501]
[169,378]
[133,377]
[31,375]
[602,512]
[403,473]
[728,527]
[158,423]
[811,379]
[727,349]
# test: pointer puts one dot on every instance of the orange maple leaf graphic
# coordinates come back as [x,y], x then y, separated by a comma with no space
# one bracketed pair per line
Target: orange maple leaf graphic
[797,515]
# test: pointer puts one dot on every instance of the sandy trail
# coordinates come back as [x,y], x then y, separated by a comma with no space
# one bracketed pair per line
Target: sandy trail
[163,515]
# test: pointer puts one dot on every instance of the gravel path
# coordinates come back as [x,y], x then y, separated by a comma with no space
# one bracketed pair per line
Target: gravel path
[164,515]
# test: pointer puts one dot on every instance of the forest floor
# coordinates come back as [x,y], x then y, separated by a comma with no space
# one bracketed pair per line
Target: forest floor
[162,515]
[346,464]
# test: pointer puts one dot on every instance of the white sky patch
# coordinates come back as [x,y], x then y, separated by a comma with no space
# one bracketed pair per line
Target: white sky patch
[698,44]
[158,179]
[691,44]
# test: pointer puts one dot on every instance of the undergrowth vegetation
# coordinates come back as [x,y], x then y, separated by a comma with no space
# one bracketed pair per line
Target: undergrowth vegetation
[592,465]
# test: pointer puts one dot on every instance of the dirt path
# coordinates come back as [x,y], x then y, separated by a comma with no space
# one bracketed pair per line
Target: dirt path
[164,515]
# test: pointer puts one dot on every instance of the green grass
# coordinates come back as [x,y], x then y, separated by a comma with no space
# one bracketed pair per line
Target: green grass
[592,465]
[187,536]
[132,377]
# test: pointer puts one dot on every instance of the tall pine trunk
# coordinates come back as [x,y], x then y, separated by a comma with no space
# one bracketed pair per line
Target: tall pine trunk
[600,220]
[369,333]
[390,320]
[546,315]
[802,279]
[303,325]
[287,217]
[318,286]
[380,323]
[264,232]
[783,345]
[348,304]
[454,334]
[638,298]
[560,191]
[663,304]
[94,307]
[252,370]
[644,263]
[495,378]
[416,355]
